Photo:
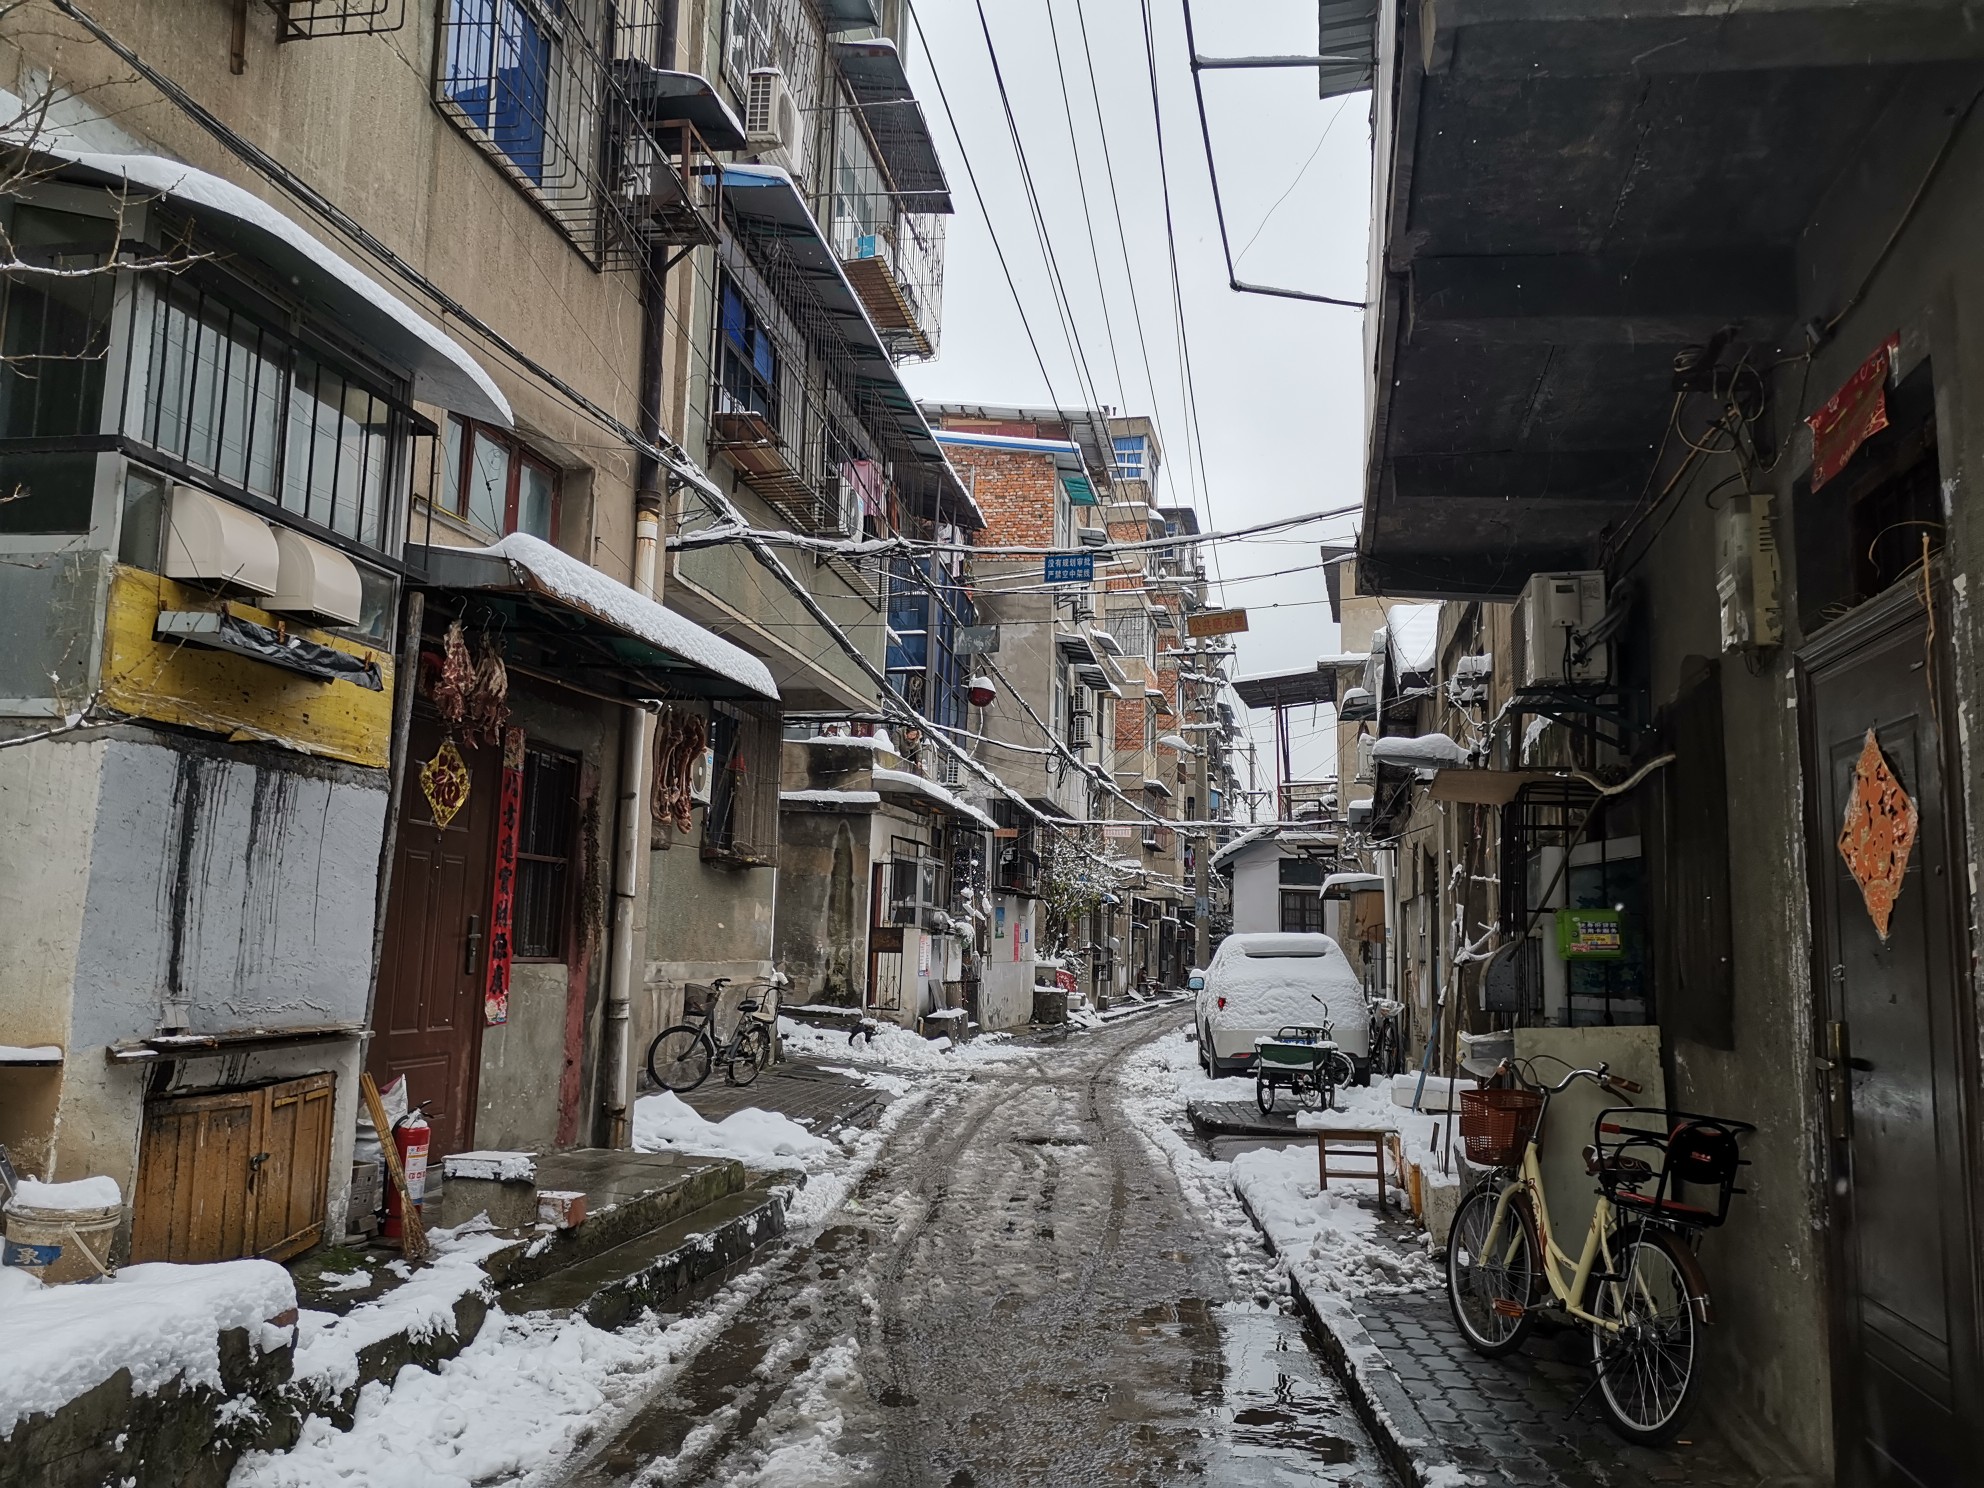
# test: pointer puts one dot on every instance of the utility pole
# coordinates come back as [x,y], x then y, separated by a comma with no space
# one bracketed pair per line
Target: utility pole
[1202,859]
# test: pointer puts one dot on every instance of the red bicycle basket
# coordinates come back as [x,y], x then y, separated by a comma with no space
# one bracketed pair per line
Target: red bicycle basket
[1496,1125]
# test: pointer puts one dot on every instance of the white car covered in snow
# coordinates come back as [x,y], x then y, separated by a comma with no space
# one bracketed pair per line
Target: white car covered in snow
[1259,984]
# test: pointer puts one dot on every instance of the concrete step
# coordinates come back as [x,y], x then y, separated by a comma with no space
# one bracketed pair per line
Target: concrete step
[628,1195]
[614,1287]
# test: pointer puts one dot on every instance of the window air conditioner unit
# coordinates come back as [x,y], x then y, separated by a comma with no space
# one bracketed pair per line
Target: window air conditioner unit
[950,772]
[212,541]
[1558,611]
[771,120]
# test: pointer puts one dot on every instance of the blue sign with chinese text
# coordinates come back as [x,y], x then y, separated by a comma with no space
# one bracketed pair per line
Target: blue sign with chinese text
[1069,568]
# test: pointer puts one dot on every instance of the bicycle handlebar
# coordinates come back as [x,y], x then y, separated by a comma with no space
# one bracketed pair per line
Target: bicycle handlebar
[1601,1077]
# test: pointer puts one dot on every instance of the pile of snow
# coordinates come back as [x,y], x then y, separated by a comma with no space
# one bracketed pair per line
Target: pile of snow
[1426,752]
[30,1054]
[893,1047]
[422,1306]
[1331,1239]
[162,1322]
[664,1122]
[79,1193]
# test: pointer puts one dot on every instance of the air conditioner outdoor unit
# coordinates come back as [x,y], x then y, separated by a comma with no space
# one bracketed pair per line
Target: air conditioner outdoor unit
[1558,611]
[845,519]
[771,120]
[950,772]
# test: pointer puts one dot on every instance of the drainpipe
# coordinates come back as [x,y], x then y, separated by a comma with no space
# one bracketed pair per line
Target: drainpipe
[626,961]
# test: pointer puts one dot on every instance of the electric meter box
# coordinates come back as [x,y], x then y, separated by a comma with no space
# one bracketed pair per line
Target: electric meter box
[1559,611]
[1746,574]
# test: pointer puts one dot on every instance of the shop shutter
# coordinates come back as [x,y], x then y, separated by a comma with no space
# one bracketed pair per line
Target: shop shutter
[234,1173]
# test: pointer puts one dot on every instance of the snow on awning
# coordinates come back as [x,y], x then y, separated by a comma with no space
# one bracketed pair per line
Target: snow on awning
[1427,751]
[876,78]
[442,372]
[764,198]
[1343,885]
[830,799]
[595,631]
[903,783]
[664,96]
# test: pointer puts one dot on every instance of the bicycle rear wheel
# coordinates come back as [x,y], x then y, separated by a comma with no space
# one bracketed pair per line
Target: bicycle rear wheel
[679,1059]
[1491,1278]
[749,1054]
[1647,1371]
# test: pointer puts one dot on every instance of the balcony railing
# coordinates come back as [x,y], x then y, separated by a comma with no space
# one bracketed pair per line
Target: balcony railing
[898,270]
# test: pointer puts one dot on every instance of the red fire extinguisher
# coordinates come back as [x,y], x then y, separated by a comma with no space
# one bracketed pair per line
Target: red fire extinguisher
[410,1138]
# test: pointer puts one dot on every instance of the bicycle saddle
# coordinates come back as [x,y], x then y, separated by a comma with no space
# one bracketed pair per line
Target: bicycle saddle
[747,1007]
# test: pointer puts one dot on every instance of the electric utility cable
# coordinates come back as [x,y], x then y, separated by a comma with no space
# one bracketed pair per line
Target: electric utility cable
[1063,301]
[1122,233]
[1233,280]
[1081,190]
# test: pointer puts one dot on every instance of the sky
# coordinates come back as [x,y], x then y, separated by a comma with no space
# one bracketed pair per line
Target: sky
[1279,384]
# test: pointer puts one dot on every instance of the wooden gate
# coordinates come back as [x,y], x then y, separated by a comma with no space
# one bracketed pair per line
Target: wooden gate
[233,1173]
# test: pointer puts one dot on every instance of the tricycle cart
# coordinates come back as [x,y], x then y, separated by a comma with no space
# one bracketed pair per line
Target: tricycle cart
[1303,1060]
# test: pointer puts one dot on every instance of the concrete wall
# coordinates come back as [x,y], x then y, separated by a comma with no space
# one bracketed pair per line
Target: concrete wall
[1257,890]
[823,908]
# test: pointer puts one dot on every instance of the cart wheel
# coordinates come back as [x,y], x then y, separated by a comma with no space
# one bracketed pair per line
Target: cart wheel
[1309,1092]
[1264,1095]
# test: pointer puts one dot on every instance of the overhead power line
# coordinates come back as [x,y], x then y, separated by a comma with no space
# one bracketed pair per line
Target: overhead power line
[1199,66]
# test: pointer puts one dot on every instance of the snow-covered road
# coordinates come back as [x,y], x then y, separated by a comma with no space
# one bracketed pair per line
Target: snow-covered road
[1039,1280]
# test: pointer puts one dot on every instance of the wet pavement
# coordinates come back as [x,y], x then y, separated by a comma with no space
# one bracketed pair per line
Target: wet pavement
[1017,1293]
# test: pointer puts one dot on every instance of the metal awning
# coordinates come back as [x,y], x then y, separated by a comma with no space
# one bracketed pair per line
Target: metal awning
[763,197]
[845,15]
[663,97]
[1347,43]
[440,370]
[566,622]
[1484,787]
[876,78]
[1288,689]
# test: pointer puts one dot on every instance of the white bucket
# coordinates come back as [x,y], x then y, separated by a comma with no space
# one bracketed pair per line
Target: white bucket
[61,1244]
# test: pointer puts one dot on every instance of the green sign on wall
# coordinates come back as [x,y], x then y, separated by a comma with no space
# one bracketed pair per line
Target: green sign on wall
[1591,935]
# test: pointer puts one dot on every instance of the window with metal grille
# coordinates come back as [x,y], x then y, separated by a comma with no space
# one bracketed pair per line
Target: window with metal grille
[501,65]
[544,855]
[1301,912]
[747,360]
[741,825]
[214,388]
[54,331]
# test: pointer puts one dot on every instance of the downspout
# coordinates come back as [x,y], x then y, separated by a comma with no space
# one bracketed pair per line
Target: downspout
[625,963]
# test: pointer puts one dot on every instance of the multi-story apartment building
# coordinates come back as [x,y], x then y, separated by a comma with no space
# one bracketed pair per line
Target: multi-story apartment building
[334,450]
[1042,478]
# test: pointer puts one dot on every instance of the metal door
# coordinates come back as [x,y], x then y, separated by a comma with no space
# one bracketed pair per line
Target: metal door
[1897,1059]
[428,1021]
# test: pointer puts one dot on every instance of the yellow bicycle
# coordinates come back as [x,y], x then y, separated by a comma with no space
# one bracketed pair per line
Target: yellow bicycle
[1636,1285]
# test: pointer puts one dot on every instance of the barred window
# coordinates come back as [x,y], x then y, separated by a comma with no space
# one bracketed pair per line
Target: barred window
[544,855]
[741,825]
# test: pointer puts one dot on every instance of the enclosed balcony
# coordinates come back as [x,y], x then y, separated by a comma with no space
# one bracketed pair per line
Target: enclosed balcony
[898,271]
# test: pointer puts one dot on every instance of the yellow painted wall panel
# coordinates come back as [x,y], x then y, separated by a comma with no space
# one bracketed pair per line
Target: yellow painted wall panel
[174,682]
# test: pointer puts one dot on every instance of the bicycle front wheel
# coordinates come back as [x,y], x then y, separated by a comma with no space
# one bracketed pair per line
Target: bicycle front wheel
[749,1054]
[679,1059]
[1648,1370]
[1491,1277]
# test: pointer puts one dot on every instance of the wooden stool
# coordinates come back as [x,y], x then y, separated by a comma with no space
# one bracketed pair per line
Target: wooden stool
[1356,1140]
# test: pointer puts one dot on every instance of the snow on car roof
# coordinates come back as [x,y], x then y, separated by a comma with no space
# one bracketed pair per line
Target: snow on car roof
[1265,944]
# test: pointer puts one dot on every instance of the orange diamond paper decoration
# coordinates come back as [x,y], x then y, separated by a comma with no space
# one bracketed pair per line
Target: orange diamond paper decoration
[1879,833]
[444,781]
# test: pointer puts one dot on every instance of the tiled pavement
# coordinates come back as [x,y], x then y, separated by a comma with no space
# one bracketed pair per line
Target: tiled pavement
[1518,1420]
[797,1088]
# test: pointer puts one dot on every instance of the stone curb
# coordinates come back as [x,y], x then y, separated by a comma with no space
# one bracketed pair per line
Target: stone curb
[1408,1444]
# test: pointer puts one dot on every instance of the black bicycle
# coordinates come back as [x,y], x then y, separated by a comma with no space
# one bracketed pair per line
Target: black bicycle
[681,1056]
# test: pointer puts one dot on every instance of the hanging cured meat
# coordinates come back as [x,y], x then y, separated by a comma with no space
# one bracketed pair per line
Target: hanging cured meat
[679,742]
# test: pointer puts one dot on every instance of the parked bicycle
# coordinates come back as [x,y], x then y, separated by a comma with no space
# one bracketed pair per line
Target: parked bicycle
[681,1056]
[1387,1046]
[1636,1286]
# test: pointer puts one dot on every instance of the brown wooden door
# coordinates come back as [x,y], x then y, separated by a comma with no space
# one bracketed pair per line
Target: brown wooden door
[1902,1196]
[427,1024]
[234,1173]
[194,1159]
[290,1181]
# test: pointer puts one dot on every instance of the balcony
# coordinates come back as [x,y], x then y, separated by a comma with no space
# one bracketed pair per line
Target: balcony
[670,180]
[827,503]
[898,271]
